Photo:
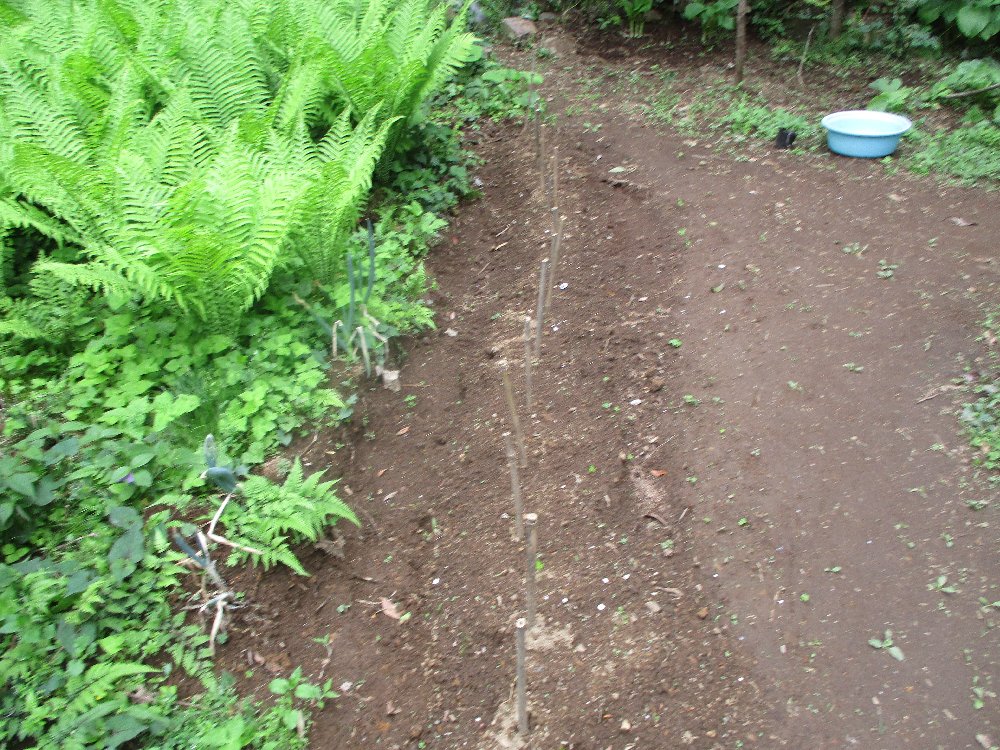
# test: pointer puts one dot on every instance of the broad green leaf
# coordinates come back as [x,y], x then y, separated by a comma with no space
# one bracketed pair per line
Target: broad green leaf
[22,483]
[972,19]
[122,516]
[129,546]
[895,652]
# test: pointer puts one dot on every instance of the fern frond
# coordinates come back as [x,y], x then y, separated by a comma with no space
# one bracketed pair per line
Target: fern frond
[20,328]
[90,275]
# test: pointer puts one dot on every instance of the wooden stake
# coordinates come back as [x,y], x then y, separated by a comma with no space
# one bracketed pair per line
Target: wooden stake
[541,155]
[540,310]
[522,678]
[555,180]
[508,392]
[554,255]
[527,362]
[515,485]
[531,556]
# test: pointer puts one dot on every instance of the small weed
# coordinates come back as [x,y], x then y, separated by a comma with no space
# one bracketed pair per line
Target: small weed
[980,694]
[675,343]
[886,270]
[941,584]
[852,367]
[886,644]
[855,249]
[833,569]
[794,386]
[410,400]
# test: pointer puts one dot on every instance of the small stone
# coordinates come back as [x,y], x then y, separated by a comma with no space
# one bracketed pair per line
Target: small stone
[984,740]
[518,28]
[653,607]
[711,733]
[390,380]
[703,613]
[626,726]
[656,385]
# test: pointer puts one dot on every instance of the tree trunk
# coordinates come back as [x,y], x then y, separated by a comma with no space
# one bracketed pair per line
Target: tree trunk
[836,18]
[741,37]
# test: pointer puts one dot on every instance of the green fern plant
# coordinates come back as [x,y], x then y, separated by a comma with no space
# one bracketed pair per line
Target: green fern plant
[394,55]
[271,518]
[189,147]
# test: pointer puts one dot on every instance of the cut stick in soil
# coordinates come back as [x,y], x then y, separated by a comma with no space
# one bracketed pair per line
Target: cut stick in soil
[522,678]
[540,311]
[554,256]
[515,421]
[542,182]
[555,185]
[527,362]
[531,558]
[515,485]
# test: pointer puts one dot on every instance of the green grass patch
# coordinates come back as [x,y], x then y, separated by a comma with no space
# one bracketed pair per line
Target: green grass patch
[981,417]
[970,153]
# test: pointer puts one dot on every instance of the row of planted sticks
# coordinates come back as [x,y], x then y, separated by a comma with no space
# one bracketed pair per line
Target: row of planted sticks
[526,524]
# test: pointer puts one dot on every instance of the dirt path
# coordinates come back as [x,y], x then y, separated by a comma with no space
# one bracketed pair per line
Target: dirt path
[724,523]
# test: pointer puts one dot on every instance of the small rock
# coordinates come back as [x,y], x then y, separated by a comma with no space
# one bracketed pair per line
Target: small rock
[450,332]
[626,726]
[653,607]
[984,740]
[688,737]
[518,28]
[656,385]
[703,613]
[390,380]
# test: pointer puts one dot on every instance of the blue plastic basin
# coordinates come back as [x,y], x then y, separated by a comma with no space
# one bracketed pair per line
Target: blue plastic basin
[864,133]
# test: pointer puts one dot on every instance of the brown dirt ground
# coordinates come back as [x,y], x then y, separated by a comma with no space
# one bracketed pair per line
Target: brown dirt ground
[692,500]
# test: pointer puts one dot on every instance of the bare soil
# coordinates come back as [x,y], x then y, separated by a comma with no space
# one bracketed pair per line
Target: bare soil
[724,523]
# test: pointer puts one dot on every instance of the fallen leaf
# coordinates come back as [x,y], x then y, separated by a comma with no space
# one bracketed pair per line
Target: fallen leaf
[960,222]
[403,431]
[658,472]
[389,609]
[390,709]
[381,472]
[703,613]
